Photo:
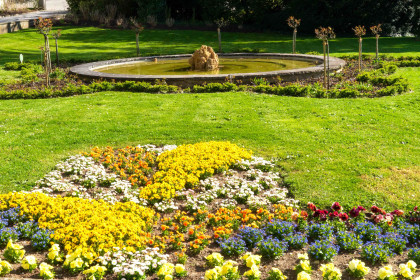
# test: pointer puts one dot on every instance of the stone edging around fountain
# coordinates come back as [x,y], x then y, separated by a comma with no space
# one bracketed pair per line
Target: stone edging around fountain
[85,71]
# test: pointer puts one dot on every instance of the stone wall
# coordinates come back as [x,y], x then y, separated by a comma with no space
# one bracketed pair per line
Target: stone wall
[18,4]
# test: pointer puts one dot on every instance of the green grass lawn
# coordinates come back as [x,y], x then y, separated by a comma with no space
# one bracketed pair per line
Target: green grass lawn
[90,43]
[350,150]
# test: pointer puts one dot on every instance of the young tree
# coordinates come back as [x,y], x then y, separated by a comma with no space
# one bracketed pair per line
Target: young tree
[44,27]
[360,31]
[324,33]
[293,23]
[376,30]
[56,35]
[137,27]
[221,22]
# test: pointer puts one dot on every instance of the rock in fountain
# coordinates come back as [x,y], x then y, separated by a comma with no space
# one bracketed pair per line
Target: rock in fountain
[204,59]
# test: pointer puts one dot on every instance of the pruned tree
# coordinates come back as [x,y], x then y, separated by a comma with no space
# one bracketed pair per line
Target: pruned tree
[293,23]
[325,33]
[44,27]
[56,35]
[221,22]
[137,27]
[360,31]
[376,30]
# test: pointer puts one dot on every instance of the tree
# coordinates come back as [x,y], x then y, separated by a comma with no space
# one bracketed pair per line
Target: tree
[44,27]
[293,23]
[56,35]
[220,23]
[324,33]
[137,27]
[360,31]
[376,30]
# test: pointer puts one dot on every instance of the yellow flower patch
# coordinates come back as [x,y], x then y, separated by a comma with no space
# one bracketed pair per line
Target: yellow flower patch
[185,165]
[94,226]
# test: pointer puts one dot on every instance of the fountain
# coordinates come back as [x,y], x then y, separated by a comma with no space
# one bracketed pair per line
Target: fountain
[205,66]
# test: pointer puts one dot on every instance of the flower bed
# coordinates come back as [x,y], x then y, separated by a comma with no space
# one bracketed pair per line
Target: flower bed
[204,210]
[374,81]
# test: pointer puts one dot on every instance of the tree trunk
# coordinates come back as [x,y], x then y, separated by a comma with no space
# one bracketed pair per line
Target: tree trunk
[137,44]
[324,45]
[219,36]
[47,60]
[360,54]
[294,40]
[56,52]
[377,48]
[328,65]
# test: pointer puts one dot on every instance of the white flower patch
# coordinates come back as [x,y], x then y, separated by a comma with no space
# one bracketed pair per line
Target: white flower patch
[227,203]
[165,206]
[257,202]
[108,196]
[133,265]
[50,179]
[121,186]
[256,163]
[195,203]
[153,148]
[210,183]
[75,164]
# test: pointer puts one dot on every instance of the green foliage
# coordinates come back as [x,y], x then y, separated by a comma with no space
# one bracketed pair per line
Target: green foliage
[58,74]
[28,71]
[390,85]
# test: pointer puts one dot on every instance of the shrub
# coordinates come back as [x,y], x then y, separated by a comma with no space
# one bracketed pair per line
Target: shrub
[323,250]
[58,74]
[272,247]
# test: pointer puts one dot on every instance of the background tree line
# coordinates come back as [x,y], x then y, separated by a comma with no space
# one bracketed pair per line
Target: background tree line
[396,16]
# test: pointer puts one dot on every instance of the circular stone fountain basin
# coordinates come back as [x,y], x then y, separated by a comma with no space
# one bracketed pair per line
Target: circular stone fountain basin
[174,69]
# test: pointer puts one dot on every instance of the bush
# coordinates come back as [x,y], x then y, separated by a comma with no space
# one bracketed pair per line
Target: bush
[58,74]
